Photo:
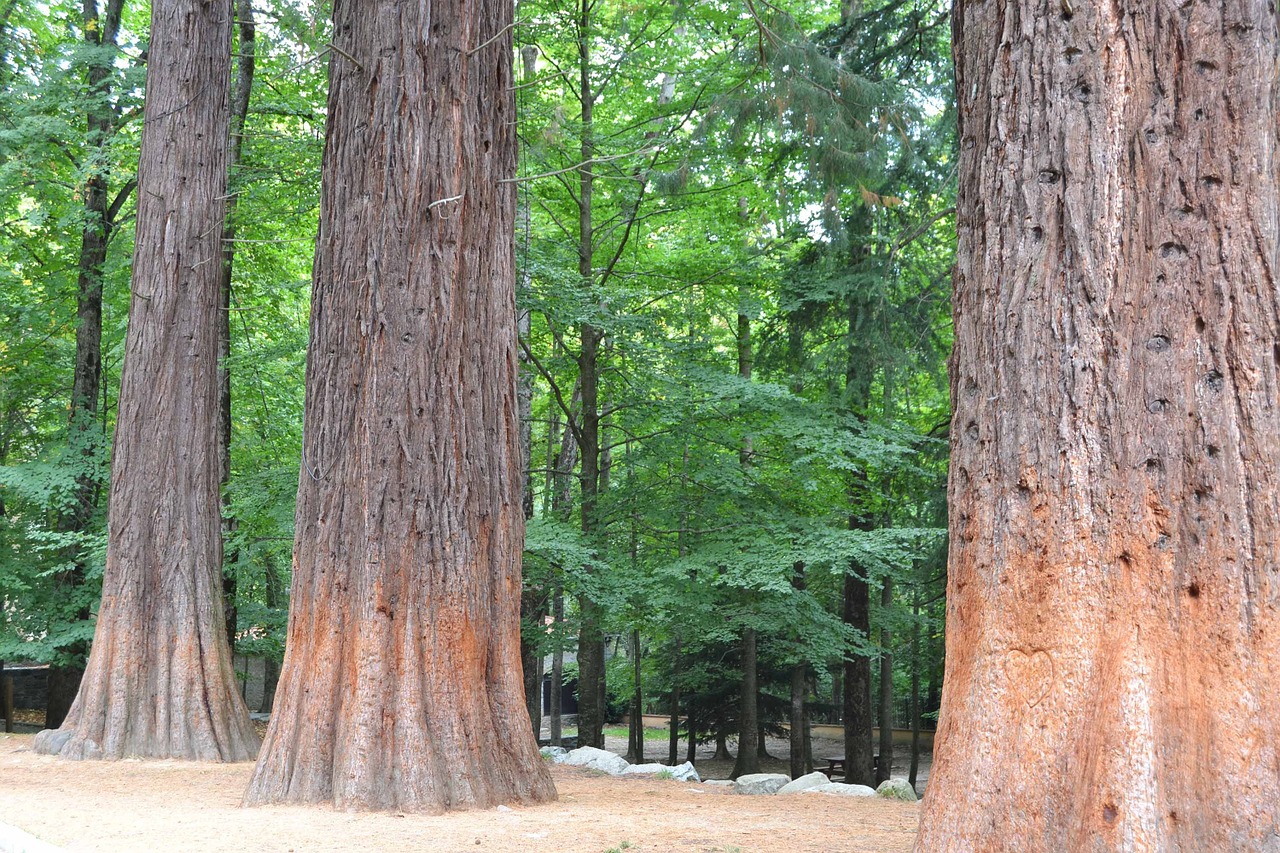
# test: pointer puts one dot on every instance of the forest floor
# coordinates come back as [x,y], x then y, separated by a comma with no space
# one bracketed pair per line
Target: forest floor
[195,808]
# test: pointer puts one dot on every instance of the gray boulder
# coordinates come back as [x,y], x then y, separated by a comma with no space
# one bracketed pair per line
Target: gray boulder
[685,772]
[718,783]
[595,759]
[644,769]
[804,783]
[897,789]
[681,772]
[760,783]
[840,789]
[555,753]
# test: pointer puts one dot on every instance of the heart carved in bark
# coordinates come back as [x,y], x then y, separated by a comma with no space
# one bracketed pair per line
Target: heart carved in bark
[1031,674]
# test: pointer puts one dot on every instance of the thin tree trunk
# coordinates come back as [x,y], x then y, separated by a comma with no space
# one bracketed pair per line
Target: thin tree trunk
[270,667]
[401,686]
[673,736]
[799,690]
[884,769]
[95,235]
[591,674]
[856,609]
[915,686]
[748,759]
[837,693]
[797,721]
[239,112]
[1114,494]
[159,680]
[533,600]
[556,709]
[635,751]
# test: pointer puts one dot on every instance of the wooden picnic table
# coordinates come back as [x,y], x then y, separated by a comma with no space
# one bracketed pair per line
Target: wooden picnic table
[835,764]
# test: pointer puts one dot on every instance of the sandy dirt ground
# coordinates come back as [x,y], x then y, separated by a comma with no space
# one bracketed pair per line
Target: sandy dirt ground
[195,808]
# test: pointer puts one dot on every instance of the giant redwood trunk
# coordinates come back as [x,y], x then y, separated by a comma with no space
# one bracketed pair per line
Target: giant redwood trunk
[1112,626]
[158,681]
[401,686]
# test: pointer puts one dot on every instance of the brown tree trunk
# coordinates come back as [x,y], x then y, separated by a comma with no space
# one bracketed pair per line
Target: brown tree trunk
[270,667]
[245,59]
[856,699]
[799,690]
[915,687]
[158,681]
[884,769]
[635,731]
[673,734]
[555,708]
[591,672]
[797,720]
[1114,495]
[100,34]
[748,757]
[401,686]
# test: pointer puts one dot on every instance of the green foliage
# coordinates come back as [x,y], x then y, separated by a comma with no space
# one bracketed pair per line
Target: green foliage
[775,180]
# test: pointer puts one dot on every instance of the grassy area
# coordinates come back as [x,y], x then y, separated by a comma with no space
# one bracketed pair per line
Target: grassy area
[621,731]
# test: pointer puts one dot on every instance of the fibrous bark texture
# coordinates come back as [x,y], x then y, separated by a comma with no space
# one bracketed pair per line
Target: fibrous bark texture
[159,682]
[401,686]
[1112,649]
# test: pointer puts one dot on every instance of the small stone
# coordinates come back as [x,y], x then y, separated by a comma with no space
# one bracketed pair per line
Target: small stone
[897,789]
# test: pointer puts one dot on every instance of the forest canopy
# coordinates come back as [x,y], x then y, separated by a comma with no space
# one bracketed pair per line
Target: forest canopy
[733,239]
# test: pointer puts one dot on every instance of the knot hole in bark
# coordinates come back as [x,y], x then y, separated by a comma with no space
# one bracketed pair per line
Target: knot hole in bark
[1193,589]
[1173,251]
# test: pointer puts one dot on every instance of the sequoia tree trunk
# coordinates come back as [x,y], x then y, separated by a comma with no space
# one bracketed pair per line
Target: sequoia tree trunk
[1115,493]
[401,685]
[158,682]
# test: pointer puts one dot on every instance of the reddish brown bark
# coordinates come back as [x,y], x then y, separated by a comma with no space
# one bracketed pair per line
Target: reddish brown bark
[401,686]
[1111,614]
[158,681]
